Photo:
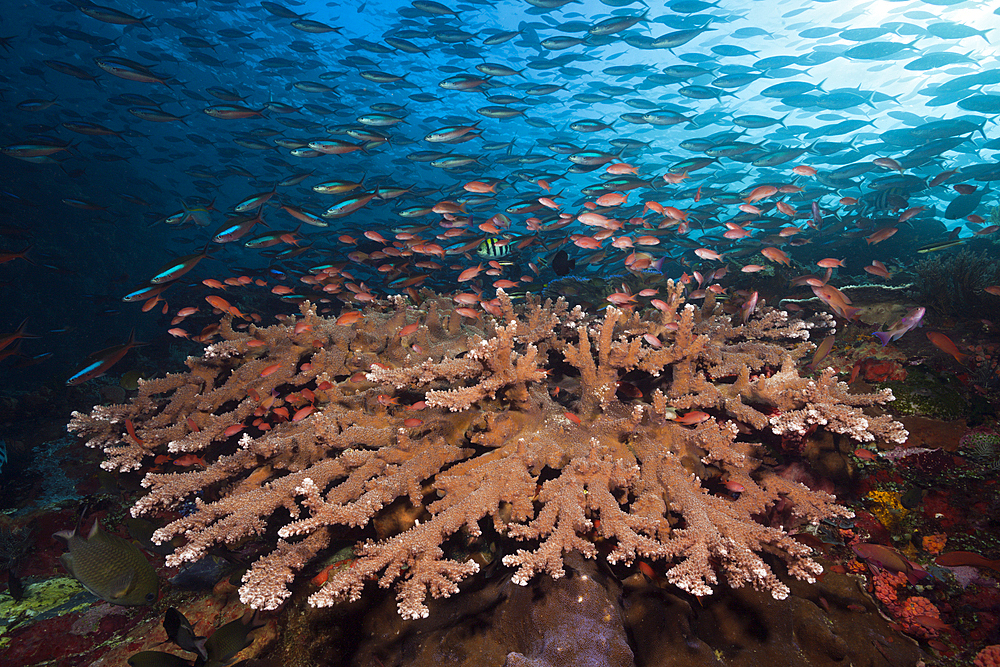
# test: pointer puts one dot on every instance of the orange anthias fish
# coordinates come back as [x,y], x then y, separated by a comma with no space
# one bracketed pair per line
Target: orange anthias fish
[776,255]
[612,199]
[837,300]
[621,298]
[349,318]
[225,306]
[945,344]
[760,192]
[99,363]
[822,350]
[469,274]
[877,268]
[881,235]
[707,253]
[692,418]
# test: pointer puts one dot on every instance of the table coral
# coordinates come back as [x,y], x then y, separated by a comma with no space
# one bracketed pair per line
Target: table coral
[518,423]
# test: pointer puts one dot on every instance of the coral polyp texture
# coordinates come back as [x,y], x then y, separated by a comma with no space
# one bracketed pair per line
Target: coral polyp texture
[565,431]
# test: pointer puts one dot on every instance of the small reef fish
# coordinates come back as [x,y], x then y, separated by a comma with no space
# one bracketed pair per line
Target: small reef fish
[110,567]
[947,346]
[101,362]
[911,320]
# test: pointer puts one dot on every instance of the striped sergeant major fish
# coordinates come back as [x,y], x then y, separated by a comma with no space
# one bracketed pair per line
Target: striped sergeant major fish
[496,247]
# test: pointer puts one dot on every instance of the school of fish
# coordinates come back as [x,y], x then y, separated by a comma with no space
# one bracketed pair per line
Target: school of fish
[271,152]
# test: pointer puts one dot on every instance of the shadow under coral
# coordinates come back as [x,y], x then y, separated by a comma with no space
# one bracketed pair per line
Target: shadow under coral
[588,618]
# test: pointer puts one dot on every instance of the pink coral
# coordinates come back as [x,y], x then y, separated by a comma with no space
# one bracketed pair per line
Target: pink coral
[988,657]
[886,584]
[919,617]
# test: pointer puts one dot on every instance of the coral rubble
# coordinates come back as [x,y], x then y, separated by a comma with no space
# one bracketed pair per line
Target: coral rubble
[606,434]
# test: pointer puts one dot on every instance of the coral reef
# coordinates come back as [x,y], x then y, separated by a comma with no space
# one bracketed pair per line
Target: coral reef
[953,284]
[928,393]
[609,434]
[988,657]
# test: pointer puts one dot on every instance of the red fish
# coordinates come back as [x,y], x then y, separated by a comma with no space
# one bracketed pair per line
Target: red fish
[219,302]
[837,300]
[910,212]
[890,559]
[881,235]
[101,362]
[877,268]
[349,318]
[20,332]
[692,418]
[776,255]
[189,460]
[469,274]
[11,256]
[760,192]
[302,413]
[946,345]
[961,558]
[748,308]
[822,350]
[130,427]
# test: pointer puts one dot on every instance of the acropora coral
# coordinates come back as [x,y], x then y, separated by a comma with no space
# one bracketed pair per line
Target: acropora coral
[608,433]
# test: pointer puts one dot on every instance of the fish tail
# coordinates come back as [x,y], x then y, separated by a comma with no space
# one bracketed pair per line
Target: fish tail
[851,313]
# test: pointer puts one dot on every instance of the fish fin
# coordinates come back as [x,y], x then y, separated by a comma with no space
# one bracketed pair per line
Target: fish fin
[199,647]
[67,561]
[132,342]
[122,585]
[64,535]
[884,336]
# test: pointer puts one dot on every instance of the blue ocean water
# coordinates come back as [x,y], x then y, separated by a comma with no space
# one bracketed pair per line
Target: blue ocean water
[165,162]
[133,132]
[127,116]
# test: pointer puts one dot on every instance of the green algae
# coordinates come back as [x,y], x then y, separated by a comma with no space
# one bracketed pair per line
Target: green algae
[928,395]
[42,600]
